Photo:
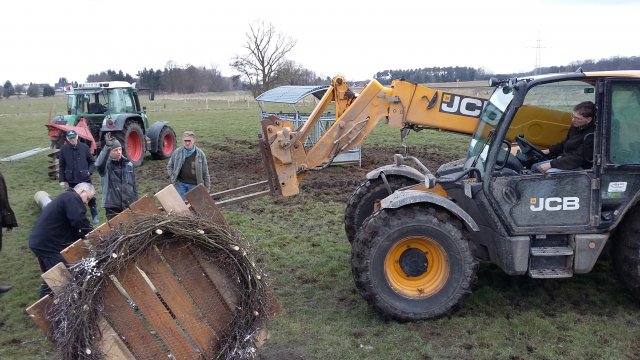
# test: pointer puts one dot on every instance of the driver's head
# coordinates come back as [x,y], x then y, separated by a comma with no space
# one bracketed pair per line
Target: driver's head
[583,114]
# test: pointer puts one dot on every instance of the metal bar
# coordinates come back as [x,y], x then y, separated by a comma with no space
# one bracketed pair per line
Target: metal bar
[243,198]
[24,154]
[221,194]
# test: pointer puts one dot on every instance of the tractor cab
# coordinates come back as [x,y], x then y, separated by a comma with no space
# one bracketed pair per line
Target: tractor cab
[551,224]
[93,109]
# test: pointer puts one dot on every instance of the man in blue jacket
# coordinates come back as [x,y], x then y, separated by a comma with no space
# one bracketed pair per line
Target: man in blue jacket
[116,178]
[76,166]
[61,223]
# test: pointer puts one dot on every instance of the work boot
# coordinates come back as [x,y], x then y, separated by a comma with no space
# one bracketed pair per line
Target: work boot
[4,288]
[94,216]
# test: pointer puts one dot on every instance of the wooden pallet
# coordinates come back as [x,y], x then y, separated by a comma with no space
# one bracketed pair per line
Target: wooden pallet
[200,298]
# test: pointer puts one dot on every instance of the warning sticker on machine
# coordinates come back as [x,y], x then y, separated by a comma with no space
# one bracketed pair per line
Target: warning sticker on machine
[620,186]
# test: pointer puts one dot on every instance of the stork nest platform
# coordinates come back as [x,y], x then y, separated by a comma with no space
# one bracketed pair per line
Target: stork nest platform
[157,284]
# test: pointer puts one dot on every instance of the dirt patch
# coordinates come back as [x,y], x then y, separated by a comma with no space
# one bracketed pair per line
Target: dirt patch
[237,163]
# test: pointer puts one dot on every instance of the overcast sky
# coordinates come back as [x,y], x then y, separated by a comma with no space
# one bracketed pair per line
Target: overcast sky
[43,40]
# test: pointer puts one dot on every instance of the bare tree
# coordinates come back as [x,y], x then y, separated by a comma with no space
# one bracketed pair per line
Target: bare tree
[265,59]
[296,74]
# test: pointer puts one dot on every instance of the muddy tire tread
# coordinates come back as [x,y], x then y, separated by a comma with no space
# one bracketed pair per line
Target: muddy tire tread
[354,215]
[626,252]
[383,223]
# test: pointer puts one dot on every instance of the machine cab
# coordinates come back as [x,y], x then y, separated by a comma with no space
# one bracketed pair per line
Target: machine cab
[537,111]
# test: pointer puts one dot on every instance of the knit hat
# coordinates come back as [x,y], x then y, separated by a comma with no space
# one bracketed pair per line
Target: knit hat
[116,144]
[188,135]
[71,134]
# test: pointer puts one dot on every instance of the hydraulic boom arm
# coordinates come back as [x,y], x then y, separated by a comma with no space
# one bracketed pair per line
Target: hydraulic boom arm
[405,105]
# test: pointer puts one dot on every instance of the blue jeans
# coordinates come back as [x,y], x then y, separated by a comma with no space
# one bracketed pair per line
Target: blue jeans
[183,188]
[536,167]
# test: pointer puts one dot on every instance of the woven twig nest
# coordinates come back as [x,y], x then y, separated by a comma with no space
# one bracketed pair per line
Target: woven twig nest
[79,305]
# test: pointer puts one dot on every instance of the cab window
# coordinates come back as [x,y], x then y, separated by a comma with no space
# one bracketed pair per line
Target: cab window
[624,144]
[545,116]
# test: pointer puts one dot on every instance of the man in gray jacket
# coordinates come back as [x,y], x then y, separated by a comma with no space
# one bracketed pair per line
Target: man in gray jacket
[117,179]
[187,166]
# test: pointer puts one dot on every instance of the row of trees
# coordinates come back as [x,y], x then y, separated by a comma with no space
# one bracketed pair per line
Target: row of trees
[32,90]
[432,75]
[457,73]
[614,63]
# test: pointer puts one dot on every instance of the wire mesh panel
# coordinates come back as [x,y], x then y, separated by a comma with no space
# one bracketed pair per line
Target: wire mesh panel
[280,101]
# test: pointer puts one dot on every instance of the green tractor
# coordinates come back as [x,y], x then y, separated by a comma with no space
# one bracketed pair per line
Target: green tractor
[93,109]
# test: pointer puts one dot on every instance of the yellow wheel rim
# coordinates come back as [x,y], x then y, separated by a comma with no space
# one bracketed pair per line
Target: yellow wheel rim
[416,267]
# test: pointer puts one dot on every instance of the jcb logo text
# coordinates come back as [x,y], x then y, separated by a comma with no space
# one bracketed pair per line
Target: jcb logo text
[461,105]
[555,203]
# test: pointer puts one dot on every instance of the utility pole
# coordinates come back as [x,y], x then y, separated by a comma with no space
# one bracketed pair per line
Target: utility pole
[537,64]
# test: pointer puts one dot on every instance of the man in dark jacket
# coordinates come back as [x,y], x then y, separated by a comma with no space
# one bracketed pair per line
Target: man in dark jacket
[575,152]
[61,223]
[7,219]
[117,179]
[76,166]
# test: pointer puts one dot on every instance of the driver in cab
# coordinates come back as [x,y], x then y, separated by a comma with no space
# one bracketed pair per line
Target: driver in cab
[575,152]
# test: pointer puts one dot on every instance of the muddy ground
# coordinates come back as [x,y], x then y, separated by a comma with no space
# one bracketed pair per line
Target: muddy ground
[237,163]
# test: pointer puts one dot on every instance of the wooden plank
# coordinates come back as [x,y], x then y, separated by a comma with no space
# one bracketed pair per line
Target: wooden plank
[145,206]
[130,326]
[111,345]
[125,217]
[57,277]
[38,312]
[155,313]
[179,302]
[171,201]
[81,248]
[225,286]
[200,287]
[204,206]
[75,251]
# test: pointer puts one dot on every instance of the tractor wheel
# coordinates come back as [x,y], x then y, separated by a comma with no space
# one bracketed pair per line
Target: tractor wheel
[413,263]
[166,144]
[626,252]
[133,143]
[362,202]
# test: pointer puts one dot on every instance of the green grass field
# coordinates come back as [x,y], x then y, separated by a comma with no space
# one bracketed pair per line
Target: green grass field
[302,245]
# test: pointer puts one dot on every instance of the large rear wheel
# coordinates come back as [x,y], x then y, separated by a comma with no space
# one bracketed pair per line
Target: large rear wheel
[166,144]
[362,202]
[413,263]
[133,143]
[626,252]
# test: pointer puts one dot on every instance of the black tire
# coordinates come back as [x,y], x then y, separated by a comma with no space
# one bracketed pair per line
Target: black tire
[413,263]
[626,252]
[133,142]
[362,202]
[166,144]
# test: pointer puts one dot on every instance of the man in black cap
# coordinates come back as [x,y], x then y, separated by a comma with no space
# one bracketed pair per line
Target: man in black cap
[7,219]
[116,178]
[76,166]
[61,223]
